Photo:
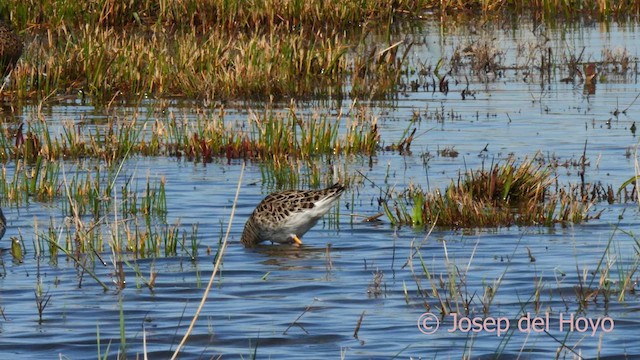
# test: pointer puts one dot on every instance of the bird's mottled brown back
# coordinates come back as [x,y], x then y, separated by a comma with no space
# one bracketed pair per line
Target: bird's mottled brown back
[10,48]
[274,213]
[277,206]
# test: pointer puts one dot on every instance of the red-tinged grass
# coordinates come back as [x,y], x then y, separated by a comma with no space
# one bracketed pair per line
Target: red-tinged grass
[268,135]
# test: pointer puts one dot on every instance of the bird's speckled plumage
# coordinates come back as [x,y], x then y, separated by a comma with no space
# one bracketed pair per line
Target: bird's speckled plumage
[285,216]
[10,49]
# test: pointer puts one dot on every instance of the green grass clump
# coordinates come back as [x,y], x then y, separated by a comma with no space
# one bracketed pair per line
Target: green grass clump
[503,195]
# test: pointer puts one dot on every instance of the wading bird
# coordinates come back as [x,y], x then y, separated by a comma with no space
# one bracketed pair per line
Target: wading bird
[285,216]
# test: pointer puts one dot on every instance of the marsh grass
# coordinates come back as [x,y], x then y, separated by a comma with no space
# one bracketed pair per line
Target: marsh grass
[544,8]
[314,14]
[612,277]
[505,194]
[268,135]
[450,289]
[485,60]
[86,190]
[596,284]
[231,49]
[278,136]
[229,15]
[42,300]
[36,142]
[376,71]
[202,50]
[139,232]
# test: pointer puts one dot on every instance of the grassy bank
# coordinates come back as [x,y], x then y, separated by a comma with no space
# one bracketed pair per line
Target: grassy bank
[206,50]
[232,49]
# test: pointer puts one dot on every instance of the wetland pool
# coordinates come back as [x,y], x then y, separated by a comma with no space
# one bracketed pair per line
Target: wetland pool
[365,295]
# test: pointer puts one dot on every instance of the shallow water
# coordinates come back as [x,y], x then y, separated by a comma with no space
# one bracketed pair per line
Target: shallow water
[283,302]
